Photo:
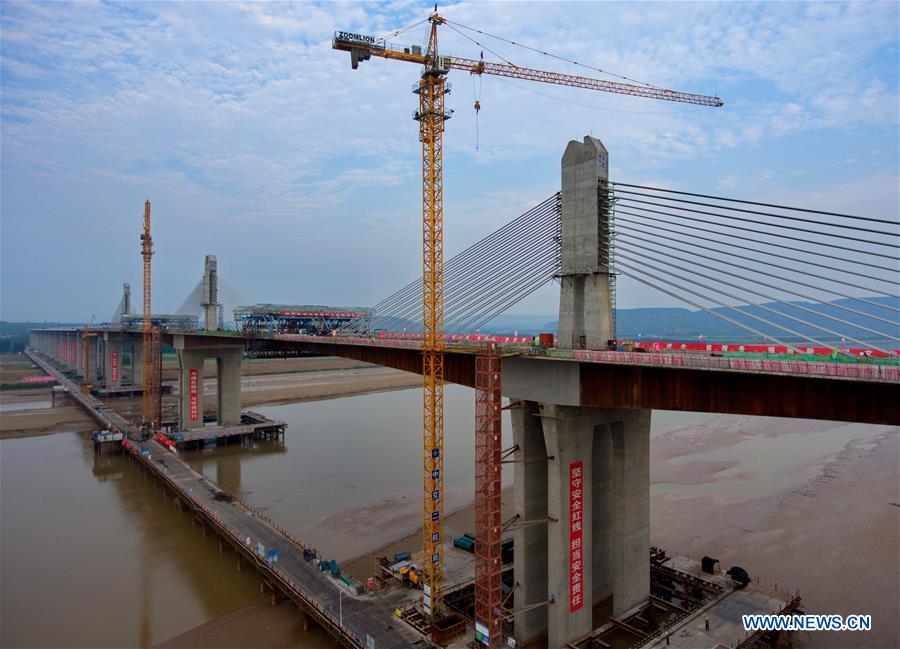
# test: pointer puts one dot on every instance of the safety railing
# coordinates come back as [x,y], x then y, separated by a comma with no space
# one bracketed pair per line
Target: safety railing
[287,584]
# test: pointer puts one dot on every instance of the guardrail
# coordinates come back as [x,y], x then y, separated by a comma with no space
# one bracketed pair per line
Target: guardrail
[886,373]
[297,592]
[890,373]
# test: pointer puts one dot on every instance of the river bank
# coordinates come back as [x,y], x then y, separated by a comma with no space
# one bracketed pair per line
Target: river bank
[28,412]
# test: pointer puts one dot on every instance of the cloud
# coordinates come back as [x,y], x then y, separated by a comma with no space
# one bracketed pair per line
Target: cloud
[241,118]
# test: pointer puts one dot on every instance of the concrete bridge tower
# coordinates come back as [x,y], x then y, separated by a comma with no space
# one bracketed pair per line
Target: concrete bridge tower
[582,475]
[126,298]
[585,304]
[210,293]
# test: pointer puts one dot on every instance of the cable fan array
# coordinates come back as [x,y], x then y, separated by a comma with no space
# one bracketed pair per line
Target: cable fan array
[791,275]
[119,312]
[485,279]
[228,300]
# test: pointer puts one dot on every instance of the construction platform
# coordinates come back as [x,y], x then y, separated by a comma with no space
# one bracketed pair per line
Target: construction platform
[253,426]
[683,597]
[126,391]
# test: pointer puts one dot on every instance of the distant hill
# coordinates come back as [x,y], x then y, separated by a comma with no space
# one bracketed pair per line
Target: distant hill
[674,323]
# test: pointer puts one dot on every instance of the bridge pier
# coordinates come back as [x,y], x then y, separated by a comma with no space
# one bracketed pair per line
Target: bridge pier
[90,362]
[71,353]
[137,361]
[582,497]
[79,354]
[191,357]
[112,361]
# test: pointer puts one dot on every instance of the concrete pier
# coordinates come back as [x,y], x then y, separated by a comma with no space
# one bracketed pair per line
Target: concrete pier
[90,361]
[192,352]
[137,361]
[112,361]
[582,496]
[530,505]
[631,508]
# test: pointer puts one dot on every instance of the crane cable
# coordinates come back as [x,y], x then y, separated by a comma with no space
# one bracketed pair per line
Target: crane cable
[450,23]
[400,31]
[481,45]
[476,91]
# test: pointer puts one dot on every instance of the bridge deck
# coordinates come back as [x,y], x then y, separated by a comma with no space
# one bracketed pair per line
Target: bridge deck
[316,593]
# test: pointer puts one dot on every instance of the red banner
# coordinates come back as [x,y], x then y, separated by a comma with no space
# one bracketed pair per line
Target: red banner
[72,352]
[114,366]
[576,566]
[194,382]
[37,379]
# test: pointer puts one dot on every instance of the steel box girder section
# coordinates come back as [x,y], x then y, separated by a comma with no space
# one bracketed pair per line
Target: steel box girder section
[663,388]
[458,368]
[737,393]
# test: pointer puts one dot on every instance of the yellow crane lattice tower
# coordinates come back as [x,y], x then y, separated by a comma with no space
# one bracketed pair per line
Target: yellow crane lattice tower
[432,88]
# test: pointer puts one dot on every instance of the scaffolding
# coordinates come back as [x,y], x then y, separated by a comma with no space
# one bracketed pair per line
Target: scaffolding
[488,524]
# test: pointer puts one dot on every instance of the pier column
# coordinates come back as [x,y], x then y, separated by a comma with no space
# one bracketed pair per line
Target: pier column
[631,509]
[530,504]
[569,437]
[190,388]
[228,366]
[79,354]
[137,361]
[112,361]
[90,362]
[72,354]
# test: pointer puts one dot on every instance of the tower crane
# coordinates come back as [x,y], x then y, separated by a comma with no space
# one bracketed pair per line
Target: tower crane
[431,115]
[151,347]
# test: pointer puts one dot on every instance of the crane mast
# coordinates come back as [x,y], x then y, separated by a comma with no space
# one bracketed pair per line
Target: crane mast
[151,339]
[431,115]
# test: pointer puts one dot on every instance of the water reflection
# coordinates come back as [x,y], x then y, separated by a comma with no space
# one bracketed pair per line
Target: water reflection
[101,552]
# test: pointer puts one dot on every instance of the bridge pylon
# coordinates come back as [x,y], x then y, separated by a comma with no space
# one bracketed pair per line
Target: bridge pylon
[585,298]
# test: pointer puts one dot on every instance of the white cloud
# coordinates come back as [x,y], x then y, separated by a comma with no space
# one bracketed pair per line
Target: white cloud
[245,113]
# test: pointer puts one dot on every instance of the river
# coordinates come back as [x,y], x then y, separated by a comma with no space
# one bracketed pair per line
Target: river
[94,555]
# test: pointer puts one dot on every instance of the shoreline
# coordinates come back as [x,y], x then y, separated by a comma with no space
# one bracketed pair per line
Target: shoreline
[305,380]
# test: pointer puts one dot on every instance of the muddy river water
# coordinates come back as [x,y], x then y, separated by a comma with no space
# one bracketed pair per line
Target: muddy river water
[93,554]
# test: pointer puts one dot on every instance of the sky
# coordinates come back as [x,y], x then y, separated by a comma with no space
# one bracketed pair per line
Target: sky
[258,143]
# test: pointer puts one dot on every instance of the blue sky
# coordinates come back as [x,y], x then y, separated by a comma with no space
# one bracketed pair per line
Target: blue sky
[256,142]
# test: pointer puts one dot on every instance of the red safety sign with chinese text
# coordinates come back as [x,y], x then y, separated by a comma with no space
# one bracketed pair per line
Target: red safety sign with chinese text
[576,569]
[114,366]
[195,401]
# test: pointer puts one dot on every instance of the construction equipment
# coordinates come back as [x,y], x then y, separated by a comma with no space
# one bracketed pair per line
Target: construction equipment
[431,116]
[152,348]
